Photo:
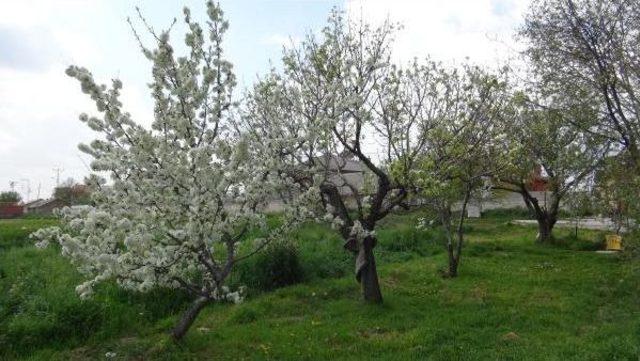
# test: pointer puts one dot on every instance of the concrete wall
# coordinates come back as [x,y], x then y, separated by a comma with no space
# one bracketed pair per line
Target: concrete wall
[498,200]
[509,200]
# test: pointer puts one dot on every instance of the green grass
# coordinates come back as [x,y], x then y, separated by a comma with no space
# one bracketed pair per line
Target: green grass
[513,300]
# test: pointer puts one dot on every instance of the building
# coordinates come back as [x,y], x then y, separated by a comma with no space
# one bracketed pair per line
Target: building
[538,182]
[11,210]
[44,206]
[344,171]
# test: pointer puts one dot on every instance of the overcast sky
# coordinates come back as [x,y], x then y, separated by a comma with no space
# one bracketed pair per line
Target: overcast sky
[39,105]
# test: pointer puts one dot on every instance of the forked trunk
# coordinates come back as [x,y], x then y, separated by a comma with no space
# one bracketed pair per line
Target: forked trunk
[188,317]
[369,274]
[545,215]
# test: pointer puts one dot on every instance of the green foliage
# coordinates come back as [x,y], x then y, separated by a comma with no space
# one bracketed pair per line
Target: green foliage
[10,197]
[73,194]
[631,246]
[39,307]
[326,259]
[507,214]
[278,265]
[408,239]
[616,190]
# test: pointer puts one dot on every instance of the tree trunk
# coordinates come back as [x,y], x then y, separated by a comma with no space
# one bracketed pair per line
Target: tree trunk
[545,227]
[188,317]
[369,274]
[454,256]
[453,265]
[546,216]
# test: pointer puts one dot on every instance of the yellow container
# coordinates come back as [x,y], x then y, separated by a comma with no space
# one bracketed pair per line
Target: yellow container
[614,242]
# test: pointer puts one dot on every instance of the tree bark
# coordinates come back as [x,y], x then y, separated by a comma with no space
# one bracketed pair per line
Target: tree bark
[188,317]
[369,274]
[453,260]
[453,268]
[546,215]
[545,228]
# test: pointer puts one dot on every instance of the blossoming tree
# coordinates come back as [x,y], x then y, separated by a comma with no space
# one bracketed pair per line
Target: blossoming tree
[184,193]
[339,114]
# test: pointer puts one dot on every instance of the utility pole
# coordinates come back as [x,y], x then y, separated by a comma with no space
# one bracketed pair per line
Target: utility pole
[57,172]
[25,180]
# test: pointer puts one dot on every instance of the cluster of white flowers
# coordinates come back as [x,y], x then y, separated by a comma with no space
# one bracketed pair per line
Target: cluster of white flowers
[359,233]
[335,221]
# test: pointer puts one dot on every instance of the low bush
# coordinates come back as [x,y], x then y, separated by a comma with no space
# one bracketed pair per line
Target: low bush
[631,246]
[507,214]
[325,258]
[278,265]
[15,232]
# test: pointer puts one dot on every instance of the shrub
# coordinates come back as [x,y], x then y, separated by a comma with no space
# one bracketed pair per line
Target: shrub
[70,322]
[507,214]
[631,246]
[325,258]
[278,265]
[244,315]
[583,244]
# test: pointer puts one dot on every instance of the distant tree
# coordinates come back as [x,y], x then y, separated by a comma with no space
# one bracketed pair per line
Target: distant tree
[73,193]
[544,136]
[10,197]
[186,193]
[587,52]
[460,152]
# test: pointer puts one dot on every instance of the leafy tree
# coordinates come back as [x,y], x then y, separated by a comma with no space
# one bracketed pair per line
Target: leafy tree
[587,51]
[460,152]
[73,193]
[536,135]
[10,197]
[186,192]
[339,108]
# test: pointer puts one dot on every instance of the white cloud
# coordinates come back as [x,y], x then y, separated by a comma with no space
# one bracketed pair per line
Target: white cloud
[481,30]
[39,106]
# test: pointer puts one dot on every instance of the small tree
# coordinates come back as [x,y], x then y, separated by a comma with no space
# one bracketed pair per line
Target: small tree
[183,194]
[10,197]
[460,152]
[340,113]
[544,137]
[579,202]
[616,192]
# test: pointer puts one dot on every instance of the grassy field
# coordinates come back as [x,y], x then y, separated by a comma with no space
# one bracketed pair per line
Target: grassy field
[513,300]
